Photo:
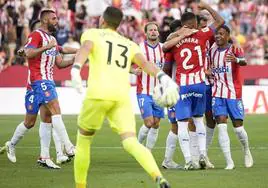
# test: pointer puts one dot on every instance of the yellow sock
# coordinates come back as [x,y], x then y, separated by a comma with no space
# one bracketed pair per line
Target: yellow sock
[82,160]
[142,155]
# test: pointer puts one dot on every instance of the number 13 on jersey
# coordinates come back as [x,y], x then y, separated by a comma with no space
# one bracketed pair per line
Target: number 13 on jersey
[120,61]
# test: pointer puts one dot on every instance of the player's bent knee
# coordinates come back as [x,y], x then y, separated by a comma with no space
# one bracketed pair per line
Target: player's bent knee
[84,132]
[237,123]
[149,122]
[221,119]
[54,107]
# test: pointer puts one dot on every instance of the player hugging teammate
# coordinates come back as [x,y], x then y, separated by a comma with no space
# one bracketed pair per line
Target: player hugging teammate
[210,84]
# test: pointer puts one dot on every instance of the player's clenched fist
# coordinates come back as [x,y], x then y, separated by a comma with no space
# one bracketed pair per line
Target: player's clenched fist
[166,94]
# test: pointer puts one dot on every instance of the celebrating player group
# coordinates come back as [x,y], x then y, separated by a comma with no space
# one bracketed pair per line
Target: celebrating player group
[195,73]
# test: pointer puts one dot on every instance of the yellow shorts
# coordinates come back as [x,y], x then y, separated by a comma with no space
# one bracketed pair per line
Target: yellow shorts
[119,114]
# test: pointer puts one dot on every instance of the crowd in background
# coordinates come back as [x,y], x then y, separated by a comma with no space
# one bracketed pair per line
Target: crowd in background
[246,18]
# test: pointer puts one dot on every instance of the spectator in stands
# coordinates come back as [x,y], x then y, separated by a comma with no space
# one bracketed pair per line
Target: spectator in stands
[247,9]
[261,17]
[225,12]
[11,34]
[62,33]
[2,59]
[80,21]
[255,49]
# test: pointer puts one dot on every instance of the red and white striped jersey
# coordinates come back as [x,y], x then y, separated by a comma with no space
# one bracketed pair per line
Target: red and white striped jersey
[189,55]
[209,44]
[154,54]
[41,66]
[227,79]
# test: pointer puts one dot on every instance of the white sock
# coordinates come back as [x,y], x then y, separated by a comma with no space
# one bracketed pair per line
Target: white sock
[242,137]
[184,140]
[170,146]
[210,133]
[194,146]
[60,129]
[45,137]
[143,132]
[19,133]
[201,134]
[224,142]
[57,142]
[152,138]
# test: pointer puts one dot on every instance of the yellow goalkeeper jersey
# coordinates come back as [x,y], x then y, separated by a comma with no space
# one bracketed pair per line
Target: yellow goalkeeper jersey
[110,61]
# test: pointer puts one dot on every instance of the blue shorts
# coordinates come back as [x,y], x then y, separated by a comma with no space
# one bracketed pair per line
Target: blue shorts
[148,107]
[31,103]
[208,98]
[224,107]
[44,91]
[192,101]
[172,115]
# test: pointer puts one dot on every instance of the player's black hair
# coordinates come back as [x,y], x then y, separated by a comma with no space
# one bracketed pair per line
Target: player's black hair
[174,25]
[113,16]
[34,23]
[226,28]
[45,12]
[151,23]
[187,16]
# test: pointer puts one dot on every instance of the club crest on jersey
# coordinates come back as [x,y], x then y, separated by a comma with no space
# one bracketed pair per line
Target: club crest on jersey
[47,93]
[240,105]
[172,114]
[30,107]
[220,70]
[159,64]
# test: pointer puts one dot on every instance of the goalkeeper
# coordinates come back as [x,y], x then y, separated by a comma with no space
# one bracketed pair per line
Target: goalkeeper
[107,96]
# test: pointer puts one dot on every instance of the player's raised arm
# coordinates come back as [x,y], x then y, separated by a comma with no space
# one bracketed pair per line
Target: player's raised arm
[176,37]
[218,20]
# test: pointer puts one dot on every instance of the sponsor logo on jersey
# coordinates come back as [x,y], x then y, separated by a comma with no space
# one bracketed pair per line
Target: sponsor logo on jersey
[52,52]
[220,70]
[193,94]
[47,93]
[172,114]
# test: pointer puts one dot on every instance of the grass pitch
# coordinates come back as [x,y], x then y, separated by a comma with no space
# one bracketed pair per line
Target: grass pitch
[111,167]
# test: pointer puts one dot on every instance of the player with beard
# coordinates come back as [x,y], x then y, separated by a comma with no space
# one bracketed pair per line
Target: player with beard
[150,111]
[42,53]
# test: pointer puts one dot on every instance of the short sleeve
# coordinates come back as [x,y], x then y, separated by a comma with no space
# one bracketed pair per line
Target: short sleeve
[34,40]
[89,34]
[135,49]
[208,33]
[168,57]
[238,52]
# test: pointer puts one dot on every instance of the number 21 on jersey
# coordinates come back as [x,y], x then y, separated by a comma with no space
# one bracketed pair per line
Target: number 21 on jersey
[187,53]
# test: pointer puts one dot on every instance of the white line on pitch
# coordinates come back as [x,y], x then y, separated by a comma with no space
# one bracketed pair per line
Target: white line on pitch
[158,148]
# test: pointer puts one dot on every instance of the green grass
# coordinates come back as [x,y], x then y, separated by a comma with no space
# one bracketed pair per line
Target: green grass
[113,168]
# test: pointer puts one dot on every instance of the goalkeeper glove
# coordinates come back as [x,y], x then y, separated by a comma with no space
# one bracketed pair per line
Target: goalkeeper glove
[170,89]
[76,78]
